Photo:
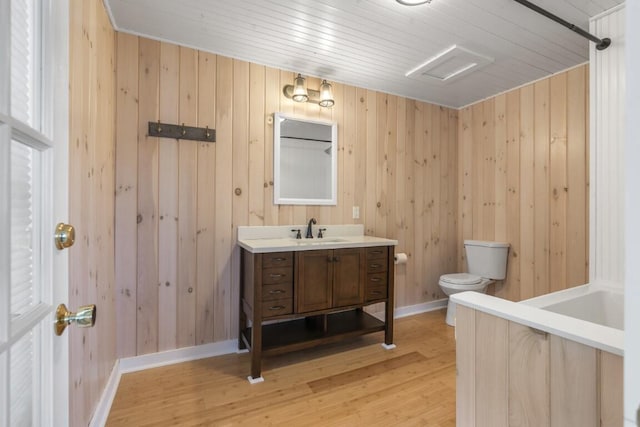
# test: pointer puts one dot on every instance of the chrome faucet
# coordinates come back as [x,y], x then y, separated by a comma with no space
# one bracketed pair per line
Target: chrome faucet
[309,234]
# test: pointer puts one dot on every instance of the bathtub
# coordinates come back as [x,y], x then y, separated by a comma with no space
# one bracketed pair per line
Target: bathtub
[589,314]
[589,303]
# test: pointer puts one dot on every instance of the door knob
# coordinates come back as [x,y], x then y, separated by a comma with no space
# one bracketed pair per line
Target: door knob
[85,317]
[65,236]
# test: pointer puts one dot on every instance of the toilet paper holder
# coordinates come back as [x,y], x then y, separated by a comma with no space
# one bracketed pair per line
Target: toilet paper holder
[400,258]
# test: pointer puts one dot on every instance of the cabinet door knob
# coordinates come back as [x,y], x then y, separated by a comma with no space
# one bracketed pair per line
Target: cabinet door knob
[336,258]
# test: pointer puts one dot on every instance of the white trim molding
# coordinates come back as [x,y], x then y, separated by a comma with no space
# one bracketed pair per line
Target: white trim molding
[170,357]
[103,408]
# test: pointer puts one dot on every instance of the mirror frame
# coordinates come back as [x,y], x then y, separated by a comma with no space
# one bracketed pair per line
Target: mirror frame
[278,199]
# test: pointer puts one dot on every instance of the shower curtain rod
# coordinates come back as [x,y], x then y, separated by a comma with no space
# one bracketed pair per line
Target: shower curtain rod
[601,44]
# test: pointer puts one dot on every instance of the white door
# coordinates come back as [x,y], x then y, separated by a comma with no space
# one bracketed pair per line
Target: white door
[34,368]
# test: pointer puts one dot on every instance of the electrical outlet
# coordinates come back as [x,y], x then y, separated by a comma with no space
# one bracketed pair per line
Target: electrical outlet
[356,212]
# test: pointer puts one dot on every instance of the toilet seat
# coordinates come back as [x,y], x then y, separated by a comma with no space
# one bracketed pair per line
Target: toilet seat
[462,279]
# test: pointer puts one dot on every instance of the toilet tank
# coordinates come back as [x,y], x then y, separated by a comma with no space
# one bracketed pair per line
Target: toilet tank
[487,259]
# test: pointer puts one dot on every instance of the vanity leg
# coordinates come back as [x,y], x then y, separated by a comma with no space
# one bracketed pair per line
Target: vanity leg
[256,354]
[242,317]
[256,324]
[390,304]
[388,327]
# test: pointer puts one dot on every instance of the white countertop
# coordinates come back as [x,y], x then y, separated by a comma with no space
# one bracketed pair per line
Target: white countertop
[587,333]
[265,239]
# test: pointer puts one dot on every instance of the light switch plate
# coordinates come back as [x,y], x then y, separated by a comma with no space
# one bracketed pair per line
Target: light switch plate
[356,212]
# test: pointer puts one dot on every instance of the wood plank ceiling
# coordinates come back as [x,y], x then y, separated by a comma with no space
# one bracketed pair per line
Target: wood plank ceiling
[374,43]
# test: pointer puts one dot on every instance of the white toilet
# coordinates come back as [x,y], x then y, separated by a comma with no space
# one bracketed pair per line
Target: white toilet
[486,262]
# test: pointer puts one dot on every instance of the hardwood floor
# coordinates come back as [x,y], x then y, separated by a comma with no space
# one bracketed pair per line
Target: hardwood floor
[344,384]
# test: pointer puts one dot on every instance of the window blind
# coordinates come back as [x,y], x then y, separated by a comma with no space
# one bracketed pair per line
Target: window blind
[23,67]
[22,382]
[22,254]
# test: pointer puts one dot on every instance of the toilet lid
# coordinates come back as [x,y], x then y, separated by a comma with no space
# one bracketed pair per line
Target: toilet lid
[461,279]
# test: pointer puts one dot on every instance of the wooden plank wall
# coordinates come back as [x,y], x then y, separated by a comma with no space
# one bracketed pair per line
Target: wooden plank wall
[178,203]
[92,78]
[523,178]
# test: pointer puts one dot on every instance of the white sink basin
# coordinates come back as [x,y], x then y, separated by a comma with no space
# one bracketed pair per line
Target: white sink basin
[318,241]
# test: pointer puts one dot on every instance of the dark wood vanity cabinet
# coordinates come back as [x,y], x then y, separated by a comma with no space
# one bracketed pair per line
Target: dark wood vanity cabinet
[329,278]
[316,295]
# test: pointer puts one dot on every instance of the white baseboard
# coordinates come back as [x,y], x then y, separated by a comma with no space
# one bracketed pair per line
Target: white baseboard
[425,307]
[410,310]
[99,418]
[169,357]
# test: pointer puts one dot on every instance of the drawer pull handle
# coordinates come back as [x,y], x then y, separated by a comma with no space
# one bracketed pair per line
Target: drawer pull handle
[376,252]
[376,292]
[276,291]
[276,276]
[277,307]
[376,265]
[279,259]
[376,279]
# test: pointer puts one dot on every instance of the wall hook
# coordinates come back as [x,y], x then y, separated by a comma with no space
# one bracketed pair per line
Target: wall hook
[166,130]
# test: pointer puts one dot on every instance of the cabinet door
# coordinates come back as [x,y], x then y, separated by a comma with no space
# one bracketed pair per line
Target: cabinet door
[314,272]
[348,276]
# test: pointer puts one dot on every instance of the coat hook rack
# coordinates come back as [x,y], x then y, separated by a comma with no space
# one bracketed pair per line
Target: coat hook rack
[165,130]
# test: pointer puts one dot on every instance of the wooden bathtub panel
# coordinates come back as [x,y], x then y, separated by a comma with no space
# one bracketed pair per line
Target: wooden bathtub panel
[492,363]
[573,384]
[465,366]
[528,376]
[611,389]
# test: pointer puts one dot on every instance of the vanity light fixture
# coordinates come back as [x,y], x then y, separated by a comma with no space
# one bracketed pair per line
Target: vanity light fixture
[299,92]
[326,95]
[413,2]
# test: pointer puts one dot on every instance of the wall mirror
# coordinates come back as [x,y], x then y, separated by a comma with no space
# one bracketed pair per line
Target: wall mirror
[305,161]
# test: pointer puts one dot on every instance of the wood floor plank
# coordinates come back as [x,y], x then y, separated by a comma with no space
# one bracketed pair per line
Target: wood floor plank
[364,372]
[350,383]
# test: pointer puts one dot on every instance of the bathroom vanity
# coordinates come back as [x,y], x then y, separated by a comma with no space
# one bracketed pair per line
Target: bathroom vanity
[299,293]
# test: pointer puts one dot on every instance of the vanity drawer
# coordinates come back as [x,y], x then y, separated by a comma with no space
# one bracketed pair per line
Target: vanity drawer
[376,279]
[376,265]
[277,291]
[277,307]
[277,259]
[271,276]
[374,293]
[379,252]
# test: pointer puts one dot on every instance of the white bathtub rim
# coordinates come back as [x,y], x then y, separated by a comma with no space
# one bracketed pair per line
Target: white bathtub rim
[587,333]
[565,294]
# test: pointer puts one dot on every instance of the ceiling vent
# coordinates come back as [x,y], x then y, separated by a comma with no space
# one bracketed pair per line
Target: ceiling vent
[449,65]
